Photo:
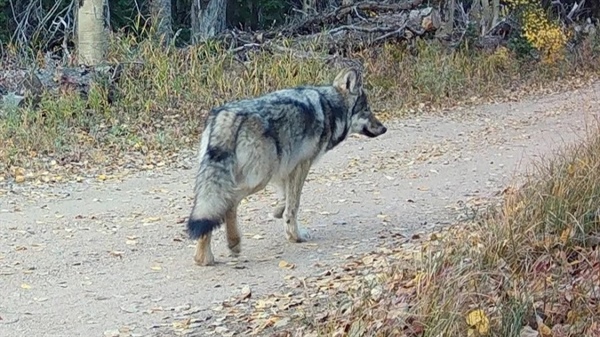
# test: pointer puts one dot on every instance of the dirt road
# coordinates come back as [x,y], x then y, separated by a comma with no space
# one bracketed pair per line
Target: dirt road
[90,258]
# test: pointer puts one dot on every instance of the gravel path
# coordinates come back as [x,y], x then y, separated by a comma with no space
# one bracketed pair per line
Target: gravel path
[90,258]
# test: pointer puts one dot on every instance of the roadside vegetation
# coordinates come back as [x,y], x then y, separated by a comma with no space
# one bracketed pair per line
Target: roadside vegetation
[156,108]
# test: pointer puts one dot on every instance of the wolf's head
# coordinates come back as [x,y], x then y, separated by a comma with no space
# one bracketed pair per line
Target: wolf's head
[349,83]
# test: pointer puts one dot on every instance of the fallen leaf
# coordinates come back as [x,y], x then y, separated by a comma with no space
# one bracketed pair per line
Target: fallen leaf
[528,331]
[477,320]
[565,235]
[544,330]
[286,265]
[157,267]
[130,309]
[246,292]
[25,286]
[19,179]
[111,333]
[117,253]
[182,324]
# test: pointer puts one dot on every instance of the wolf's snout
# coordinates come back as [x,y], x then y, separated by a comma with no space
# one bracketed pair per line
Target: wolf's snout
[379,129]
[373,132]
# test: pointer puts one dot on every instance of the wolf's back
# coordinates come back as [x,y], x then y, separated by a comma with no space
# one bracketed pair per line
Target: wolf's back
[215,189]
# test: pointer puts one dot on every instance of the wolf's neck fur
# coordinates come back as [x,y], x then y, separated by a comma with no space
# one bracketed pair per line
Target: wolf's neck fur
[339,123]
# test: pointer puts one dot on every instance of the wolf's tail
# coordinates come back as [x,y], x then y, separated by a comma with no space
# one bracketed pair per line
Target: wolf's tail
[215,195]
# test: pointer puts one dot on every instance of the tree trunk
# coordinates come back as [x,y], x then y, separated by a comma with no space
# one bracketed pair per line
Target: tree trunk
[208,19]
[92,39]
[486,17]
[162,20]
[448,26]
[495,12]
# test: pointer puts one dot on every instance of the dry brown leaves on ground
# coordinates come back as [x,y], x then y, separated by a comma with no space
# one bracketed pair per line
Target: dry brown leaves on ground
[427,284]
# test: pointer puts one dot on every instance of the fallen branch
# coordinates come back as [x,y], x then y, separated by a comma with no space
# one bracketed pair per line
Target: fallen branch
[31,84]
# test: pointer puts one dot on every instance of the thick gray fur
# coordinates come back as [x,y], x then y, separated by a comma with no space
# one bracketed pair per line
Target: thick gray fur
[271,139]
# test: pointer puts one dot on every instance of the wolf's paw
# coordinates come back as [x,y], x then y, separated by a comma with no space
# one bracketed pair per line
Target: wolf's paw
[302,235]
[235,248]
[204,259]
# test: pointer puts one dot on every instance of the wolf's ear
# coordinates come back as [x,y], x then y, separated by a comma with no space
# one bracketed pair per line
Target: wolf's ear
[348,81]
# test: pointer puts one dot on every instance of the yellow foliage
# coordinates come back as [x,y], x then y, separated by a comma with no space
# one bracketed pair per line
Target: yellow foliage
[478,321]
[545,36]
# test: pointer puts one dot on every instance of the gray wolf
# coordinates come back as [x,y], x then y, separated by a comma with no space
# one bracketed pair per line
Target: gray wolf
[271,139]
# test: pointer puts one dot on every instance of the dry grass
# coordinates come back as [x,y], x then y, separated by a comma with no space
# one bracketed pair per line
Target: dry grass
[530,267]
[163,95]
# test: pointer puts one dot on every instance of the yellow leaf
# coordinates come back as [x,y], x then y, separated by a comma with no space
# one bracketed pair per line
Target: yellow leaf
[156,267]
[544,330]
[182,324]
[571,169]
[102,177]
[25,286]
[564,236]
[478,320]
[286,265]
[19,179]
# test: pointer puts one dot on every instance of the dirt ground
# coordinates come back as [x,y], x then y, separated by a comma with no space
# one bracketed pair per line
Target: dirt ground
[90,258]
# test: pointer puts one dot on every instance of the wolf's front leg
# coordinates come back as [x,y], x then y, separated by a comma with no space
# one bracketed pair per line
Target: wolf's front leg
[233,234]
[293,191]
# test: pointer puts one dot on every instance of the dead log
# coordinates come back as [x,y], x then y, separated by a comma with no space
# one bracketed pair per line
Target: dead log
[27,86]
[343,15]
[397,26]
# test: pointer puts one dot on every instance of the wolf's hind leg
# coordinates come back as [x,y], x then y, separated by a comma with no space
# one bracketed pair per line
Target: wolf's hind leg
[204,255]
[293,191]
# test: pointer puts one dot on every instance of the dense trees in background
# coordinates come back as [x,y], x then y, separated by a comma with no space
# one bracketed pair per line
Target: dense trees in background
[43,23]
[82,25]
